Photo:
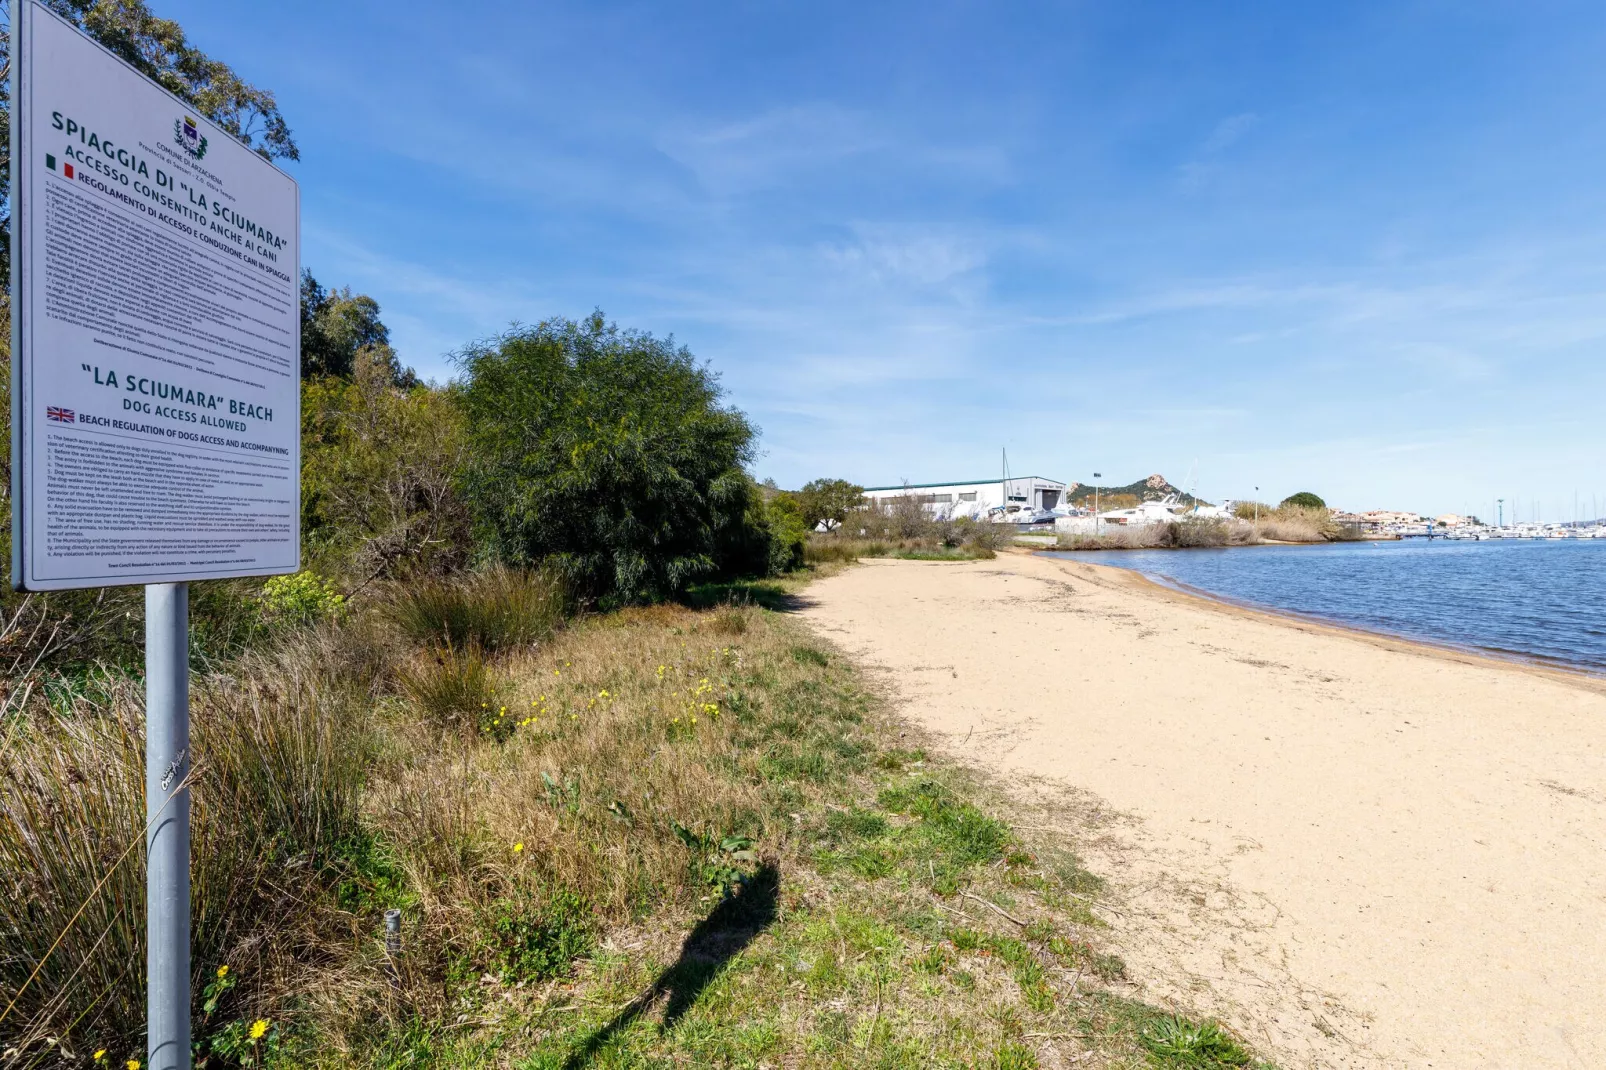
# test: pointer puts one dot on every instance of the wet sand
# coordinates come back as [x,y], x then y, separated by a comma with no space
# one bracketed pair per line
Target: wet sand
[1357,851]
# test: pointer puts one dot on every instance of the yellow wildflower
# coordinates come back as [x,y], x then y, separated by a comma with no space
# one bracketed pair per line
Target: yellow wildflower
[259,1027]
[222,971]
[133,1064]
[99,1055]
[517,847]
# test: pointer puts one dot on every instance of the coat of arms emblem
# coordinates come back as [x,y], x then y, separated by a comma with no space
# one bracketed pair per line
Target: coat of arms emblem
[187,132]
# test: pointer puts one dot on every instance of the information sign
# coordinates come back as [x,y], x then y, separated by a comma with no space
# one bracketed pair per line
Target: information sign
[156,335]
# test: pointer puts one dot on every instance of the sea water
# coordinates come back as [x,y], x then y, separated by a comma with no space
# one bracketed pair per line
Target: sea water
[1528,598]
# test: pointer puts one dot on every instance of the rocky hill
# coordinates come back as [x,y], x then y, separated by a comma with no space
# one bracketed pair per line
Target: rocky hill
[1152,489]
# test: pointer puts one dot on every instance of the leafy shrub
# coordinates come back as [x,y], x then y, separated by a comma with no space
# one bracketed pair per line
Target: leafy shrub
[536,939]
[1304,500]
[606,453]
[379,494]
[497,609]
[788,534]
[304,598]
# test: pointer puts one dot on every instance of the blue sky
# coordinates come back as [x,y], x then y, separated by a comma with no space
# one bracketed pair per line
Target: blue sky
[1355,248]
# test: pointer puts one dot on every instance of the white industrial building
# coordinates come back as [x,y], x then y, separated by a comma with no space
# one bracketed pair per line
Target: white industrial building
[978,497]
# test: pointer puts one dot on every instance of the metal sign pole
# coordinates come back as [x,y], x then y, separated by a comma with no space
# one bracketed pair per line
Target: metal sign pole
[167,825]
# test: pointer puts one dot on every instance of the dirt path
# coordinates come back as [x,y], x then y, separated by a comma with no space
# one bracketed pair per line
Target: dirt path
[1359,852]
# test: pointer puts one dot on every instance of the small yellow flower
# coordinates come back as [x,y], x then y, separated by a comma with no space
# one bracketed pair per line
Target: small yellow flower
[259,1027]
[517,847]
[222,971]
[503,710]
[99,1055]
[133,1064]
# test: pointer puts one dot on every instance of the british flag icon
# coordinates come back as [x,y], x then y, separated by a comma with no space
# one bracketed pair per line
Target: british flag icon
[59,415]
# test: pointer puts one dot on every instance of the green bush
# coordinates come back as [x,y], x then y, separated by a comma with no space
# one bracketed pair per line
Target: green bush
[788,534]
[379,494]
[606,453]
[1304,500]
[303,598]
[533,939]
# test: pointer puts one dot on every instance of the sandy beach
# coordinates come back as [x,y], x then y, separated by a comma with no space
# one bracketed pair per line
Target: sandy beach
[1358,852]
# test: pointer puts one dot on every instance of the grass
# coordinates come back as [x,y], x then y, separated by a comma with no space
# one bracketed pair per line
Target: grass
[677,836]
[279,756]
[493,610]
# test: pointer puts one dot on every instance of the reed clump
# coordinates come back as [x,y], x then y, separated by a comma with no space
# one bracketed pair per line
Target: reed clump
[495,609]
[279,749]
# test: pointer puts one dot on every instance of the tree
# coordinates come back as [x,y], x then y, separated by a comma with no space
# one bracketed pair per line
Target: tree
[339,330]
[159,49]
[1305,500]
[608,454]
[379,493]
[829,499]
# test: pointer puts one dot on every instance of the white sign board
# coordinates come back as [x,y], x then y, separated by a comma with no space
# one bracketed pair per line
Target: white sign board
[156,344]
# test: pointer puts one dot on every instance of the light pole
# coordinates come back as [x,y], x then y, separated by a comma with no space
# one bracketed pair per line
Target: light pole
[1257,505]
[1500,507]
[1096,476]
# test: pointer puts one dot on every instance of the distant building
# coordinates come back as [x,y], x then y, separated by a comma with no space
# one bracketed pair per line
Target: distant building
[1453,520]
[1388,517]
[975,497]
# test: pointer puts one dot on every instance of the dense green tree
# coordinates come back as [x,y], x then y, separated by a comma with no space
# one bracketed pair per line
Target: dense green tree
[339,330]
[829,499]
[1306,500]
[607,453]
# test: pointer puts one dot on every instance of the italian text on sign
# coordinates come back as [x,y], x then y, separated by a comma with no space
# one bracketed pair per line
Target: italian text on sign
[156,397]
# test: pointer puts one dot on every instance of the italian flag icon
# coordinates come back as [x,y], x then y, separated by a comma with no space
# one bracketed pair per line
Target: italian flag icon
[50,162]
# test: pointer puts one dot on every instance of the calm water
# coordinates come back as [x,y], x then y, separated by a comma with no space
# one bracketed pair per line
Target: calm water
[1529,598]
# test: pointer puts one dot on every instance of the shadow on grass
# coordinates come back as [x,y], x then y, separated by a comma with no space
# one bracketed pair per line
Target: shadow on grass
[732,925]
[766,593]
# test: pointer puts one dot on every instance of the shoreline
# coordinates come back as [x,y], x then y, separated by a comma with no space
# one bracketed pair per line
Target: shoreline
[1294,618]
[1345,844]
